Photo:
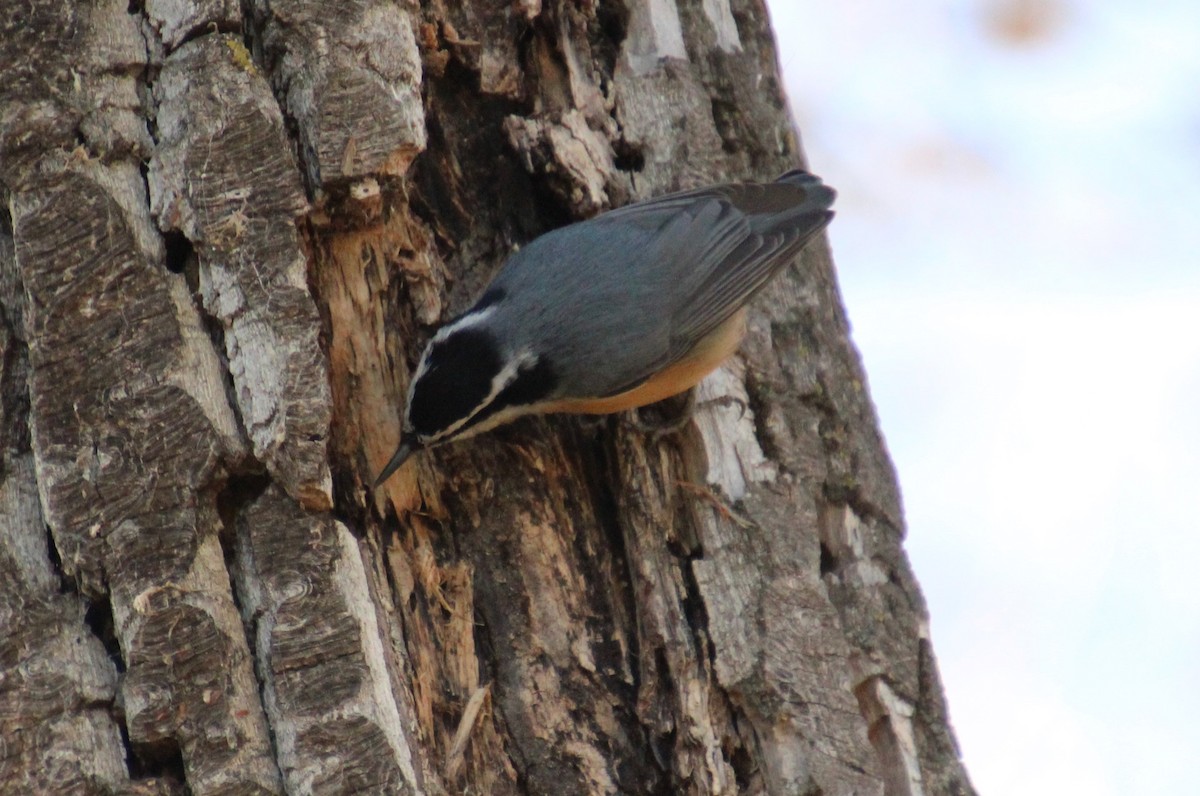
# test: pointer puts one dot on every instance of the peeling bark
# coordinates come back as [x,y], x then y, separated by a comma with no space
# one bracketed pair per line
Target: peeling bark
[227,231]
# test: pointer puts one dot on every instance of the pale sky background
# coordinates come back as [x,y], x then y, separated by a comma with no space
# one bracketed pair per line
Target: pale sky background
[1018,243]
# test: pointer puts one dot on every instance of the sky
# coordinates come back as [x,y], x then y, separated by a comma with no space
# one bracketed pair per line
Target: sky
[1018,249]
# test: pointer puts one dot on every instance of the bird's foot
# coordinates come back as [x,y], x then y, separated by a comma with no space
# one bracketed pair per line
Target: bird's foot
[670,416]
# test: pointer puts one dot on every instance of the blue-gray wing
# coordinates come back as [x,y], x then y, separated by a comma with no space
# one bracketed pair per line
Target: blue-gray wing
[723,244]
[654,278]
[779,219]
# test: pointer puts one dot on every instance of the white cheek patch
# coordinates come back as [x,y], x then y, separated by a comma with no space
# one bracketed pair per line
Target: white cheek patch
[505,415]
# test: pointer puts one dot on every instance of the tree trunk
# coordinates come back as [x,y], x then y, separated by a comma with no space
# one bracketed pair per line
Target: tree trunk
[228,230]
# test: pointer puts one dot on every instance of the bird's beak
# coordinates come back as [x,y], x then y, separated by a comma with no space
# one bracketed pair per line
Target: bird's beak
[408,446]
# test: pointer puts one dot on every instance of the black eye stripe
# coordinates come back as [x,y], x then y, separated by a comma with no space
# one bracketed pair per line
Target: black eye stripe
[532,384]
[458,377]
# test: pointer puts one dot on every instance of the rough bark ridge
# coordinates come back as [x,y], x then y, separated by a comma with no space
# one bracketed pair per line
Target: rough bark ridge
[227,230]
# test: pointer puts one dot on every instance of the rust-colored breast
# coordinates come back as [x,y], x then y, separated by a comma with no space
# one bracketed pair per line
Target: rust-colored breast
[704,358]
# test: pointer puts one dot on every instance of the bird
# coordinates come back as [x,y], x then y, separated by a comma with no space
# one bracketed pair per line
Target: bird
[611,313]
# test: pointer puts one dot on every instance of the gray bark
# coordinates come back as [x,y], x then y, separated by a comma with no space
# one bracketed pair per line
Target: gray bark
[228,230]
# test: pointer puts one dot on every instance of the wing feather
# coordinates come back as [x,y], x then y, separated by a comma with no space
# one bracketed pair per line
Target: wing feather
[721,245]
[687,262]
[736,278]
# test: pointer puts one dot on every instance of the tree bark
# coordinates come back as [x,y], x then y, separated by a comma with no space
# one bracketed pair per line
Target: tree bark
[228,230]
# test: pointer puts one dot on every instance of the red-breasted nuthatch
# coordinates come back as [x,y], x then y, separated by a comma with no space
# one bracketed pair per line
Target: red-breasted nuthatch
[612,313]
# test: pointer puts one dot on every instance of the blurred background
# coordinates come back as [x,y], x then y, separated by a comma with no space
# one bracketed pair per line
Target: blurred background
[1019,249]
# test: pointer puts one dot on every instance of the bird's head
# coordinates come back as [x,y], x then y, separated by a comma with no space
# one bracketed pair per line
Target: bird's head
[466,383]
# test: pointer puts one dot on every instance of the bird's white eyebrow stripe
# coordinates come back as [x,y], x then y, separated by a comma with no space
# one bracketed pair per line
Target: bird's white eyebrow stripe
[470,319]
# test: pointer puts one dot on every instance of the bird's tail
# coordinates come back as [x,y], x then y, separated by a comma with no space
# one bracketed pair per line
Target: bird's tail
[819,196]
